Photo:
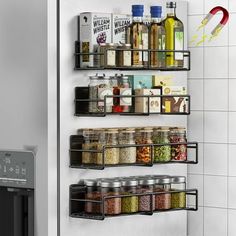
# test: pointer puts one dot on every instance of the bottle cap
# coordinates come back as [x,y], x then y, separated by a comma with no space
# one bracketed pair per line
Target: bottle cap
[171,5]
[137,10]
[156,11]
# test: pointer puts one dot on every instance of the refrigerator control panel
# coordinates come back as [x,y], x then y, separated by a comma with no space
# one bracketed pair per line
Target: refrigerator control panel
[17,169]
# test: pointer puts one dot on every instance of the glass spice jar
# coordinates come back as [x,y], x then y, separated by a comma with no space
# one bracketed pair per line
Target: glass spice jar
[178,200]
[108,54]
[90,143]
[144,153]
[99,87]
[161,153]
[127,154]
[162,201]
[129,204]
[92,193]
[112,206]
[178,151]
[111,154]
[123,88]
[146,202]
[123,58]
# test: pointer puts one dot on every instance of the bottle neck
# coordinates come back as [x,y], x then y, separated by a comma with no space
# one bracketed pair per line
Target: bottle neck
[137,19]
[155,20]
[171,11]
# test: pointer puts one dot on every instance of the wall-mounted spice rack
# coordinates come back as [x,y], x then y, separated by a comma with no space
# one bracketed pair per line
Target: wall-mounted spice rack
[83,104]
[102,56]
[77,151]
[105,206]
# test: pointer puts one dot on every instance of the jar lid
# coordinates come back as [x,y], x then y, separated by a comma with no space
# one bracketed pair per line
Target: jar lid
[129,130]
[163,180]
[90,182]
[110,184]
[111,131]
[147,181]
[178,179]
[129,182]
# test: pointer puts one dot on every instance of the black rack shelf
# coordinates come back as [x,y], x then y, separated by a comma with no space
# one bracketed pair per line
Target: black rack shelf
[76,151]
[82,103]
[78,201]
[185,53]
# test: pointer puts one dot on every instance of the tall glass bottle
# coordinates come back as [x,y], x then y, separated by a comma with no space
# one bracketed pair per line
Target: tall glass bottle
[157,38]
[137,36]
[174,37]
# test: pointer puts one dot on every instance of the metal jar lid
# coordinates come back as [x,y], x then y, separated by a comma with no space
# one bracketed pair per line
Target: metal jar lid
[110,184]
[115,131]
[129,182]
[162,180]
[171,5]
[146,181]
[129,130]
[90,183]
[178,179]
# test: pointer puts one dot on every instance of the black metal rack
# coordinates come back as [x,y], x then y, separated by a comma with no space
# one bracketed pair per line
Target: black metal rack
[78,201]
[82,103]
[185,53]
[76,151]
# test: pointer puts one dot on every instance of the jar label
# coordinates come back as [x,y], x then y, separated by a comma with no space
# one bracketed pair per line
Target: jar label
[145,46]
[125,101]
[102,92]
[127,58]
[111,58]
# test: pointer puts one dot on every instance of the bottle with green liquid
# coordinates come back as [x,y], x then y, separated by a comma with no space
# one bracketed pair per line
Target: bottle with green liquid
[174,37]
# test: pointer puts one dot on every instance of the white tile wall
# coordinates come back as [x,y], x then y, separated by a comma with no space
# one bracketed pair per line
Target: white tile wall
[212,88]
[216,62]
[215,191]
[215,127]
[215,161]
[197,182]
[216,121]
[196,7]
[215,222]
[197,169]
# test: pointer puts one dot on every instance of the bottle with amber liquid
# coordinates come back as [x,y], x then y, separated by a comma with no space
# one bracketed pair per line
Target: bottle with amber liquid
[174,37]
[157,38]
[137,36]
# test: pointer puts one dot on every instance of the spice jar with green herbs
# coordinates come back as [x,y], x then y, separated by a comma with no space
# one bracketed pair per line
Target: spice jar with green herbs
[178,200]
[111,154]
[129,204]
[162,186]
[127,154]
[161,153]
[144,153]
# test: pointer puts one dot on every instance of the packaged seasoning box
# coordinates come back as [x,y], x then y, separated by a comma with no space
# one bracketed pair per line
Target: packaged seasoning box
[141,103]
[141,81]
[161,80]
[174,104]
[119,24]
[95,28]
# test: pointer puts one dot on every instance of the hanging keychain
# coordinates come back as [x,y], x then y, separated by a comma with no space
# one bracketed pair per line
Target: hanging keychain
[215,32]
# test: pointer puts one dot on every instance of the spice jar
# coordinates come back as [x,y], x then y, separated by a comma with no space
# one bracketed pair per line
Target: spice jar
[123,58]
[99,87]
[92,193]
[123,88]
[163,200]
[179,151]
[127,154]
[161,153]
[90,143]
[129,204]
[178,200]
[144,153]
[111,154]
[146,202]
[112,206]
[108,54]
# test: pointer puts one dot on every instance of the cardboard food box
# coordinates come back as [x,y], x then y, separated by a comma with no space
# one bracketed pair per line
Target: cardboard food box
[162,80]
[95,28]
[141,103]
[174,104]
[119,24]
[141,81]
